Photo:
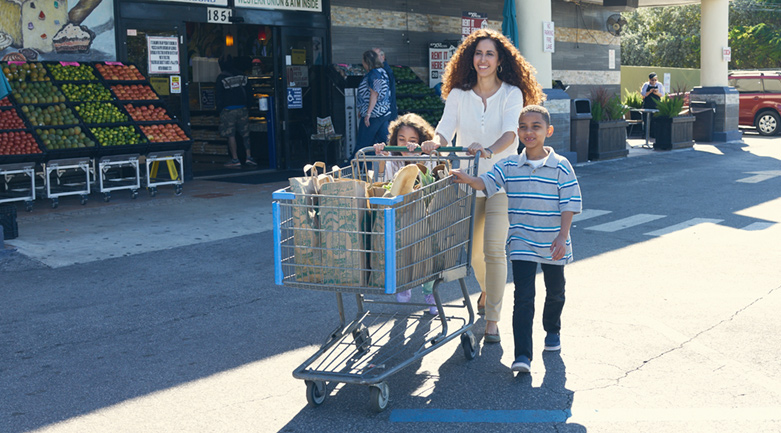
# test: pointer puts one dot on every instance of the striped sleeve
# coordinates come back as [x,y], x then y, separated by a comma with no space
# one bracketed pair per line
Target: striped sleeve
[569,189]
[495,179]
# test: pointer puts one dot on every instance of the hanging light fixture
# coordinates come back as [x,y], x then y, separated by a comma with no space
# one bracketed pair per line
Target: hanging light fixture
[229,40]
[262,34]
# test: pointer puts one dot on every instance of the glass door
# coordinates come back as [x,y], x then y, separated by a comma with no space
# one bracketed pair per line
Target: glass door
[303,92]
[163,65]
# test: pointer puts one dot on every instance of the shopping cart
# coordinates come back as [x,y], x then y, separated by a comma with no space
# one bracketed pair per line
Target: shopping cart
[373,247]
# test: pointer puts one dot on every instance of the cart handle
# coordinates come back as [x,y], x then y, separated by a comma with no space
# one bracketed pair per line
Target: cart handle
[439,149]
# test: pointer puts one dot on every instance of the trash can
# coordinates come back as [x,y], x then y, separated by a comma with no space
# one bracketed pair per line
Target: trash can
[704,113]
[580,120]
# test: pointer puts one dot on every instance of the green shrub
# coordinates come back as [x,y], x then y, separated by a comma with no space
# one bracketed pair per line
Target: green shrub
[633,99]
[669,107]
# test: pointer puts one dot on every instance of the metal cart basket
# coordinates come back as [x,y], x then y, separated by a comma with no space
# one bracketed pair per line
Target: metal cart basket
[373,247]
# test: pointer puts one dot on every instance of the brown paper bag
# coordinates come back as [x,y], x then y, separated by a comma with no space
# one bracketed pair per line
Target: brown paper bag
[343,214]
[306,238]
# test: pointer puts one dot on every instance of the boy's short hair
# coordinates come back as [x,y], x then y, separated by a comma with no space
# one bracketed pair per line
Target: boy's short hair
[536,109]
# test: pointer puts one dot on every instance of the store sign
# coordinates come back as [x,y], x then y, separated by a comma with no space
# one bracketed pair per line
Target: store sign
[202,2]
[163,54]
[726,54]
[548,37]
[438,56]
[284,5]
[297,76]
[295,97]
[218,15]
[471,21]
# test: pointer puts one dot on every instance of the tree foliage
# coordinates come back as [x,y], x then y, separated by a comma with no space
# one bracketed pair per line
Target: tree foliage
[654,36]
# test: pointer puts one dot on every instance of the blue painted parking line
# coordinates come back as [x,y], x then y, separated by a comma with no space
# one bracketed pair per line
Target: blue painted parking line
[474,416]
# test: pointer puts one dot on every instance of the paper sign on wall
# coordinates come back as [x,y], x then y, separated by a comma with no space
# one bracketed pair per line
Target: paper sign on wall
[726,54]
[161,86]
[176,84]
[611,59]
[163,54]
[297,76]
[298,56]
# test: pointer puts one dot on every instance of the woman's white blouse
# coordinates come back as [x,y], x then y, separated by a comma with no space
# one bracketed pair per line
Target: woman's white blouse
[471,122]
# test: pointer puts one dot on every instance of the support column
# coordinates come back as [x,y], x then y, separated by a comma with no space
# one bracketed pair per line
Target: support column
[713,71]
[529,16]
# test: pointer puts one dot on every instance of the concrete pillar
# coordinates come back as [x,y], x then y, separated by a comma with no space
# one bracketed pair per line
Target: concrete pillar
[529,16]
[713,71]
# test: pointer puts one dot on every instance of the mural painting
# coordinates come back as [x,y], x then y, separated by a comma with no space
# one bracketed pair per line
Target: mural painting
[65,30]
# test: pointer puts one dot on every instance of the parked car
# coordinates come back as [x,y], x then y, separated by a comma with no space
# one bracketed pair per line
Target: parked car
[760,100]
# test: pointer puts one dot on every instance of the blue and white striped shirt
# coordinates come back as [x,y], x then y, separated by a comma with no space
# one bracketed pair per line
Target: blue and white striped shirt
[536,199]
[377,80]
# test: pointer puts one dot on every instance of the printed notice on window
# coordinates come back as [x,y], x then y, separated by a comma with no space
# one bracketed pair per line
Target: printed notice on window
[163,54]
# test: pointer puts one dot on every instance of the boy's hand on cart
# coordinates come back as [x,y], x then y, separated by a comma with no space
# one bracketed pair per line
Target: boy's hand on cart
[461,177]
[378,149]
[429,146]
[558,247]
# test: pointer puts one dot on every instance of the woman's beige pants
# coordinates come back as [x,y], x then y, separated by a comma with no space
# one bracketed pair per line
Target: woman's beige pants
[488,251]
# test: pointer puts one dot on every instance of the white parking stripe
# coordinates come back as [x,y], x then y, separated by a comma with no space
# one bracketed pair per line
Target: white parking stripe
[621,224]
[682,226]
[589,213]
[757,226]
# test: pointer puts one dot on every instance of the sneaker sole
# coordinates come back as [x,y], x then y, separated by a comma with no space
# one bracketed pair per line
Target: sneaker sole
[521,368]
[552,348]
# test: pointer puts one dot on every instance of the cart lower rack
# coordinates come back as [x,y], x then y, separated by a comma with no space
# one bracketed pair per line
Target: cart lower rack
[345,241]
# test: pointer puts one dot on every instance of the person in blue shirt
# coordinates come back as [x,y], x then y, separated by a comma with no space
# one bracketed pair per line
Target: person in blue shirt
[373,103]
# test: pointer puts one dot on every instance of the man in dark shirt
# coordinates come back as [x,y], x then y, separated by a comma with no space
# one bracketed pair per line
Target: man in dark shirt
[233,96]
[394,111]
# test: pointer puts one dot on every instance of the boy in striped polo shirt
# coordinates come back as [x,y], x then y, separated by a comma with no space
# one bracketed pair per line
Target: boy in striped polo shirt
[543,195]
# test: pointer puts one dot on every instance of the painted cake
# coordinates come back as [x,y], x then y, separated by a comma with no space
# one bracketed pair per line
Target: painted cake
[73,39]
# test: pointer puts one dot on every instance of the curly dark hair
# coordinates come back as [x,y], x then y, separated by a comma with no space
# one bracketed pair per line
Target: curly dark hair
[515,70]
[424,129]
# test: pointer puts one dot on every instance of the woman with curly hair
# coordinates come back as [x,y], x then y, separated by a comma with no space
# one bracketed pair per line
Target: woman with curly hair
[486,84]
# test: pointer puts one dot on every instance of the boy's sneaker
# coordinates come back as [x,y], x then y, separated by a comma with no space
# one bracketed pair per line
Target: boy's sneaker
[431,301]
[404,296]
[552,343]
[522,364]
[233,163]
[251,162]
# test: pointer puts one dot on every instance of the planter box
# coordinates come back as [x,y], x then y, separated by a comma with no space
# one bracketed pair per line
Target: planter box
[674,132]
[607,140]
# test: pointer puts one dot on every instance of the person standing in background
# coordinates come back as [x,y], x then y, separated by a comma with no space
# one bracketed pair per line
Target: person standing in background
[373,103]
[652,91]
[233,96]
[394,111]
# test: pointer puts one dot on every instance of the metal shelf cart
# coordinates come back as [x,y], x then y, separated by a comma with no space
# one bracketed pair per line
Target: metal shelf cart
[174,162]
[18,183]
[112,170]
[64,177]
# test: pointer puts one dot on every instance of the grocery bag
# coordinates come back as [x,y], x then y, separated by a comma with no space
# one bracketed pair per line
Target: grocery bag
[343,215]
[306,235]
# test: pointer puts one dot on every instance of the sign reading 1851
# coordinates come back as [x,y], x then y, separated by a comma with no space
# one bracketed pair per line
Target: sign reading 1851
[218,15]
[288,5]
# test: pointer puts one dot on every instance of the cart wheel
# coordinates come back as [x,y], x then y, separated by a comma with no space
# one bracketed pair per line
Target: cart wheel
[153,191]
[469,345]
[28,206]
[106,197]
[134,194]
[378,396]
[315,392]
[178,190]
[55,203]
[84,200]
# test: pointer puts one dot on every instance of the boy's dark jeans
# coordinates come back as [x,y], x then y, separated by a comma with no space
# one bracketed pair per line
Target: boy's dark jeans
[524,274]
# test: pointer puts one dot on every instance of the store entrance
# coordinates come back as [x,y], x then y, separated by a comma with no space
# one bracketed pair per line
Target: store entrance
[252,47]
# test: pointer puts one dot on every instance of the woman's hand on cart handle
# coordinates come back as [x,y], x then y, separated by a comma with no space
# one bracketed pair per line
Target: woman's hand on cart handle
[429,146]
[477,147]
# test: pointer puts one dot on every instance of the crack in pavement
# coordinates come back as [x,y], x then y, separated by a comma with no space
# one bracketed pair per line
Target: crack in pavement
[680,346]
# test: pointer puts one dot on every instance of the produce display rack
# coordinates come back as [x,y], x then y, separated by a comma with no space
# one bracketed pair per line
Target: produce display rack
[67,171]
[64,177]
[174,163]
[112,175]
[423,101]
[18,183]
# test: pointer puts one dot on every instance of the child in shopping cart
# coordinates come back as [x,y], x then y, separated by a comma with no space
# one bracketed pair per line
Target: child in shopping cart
[543,195]
[408,130]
